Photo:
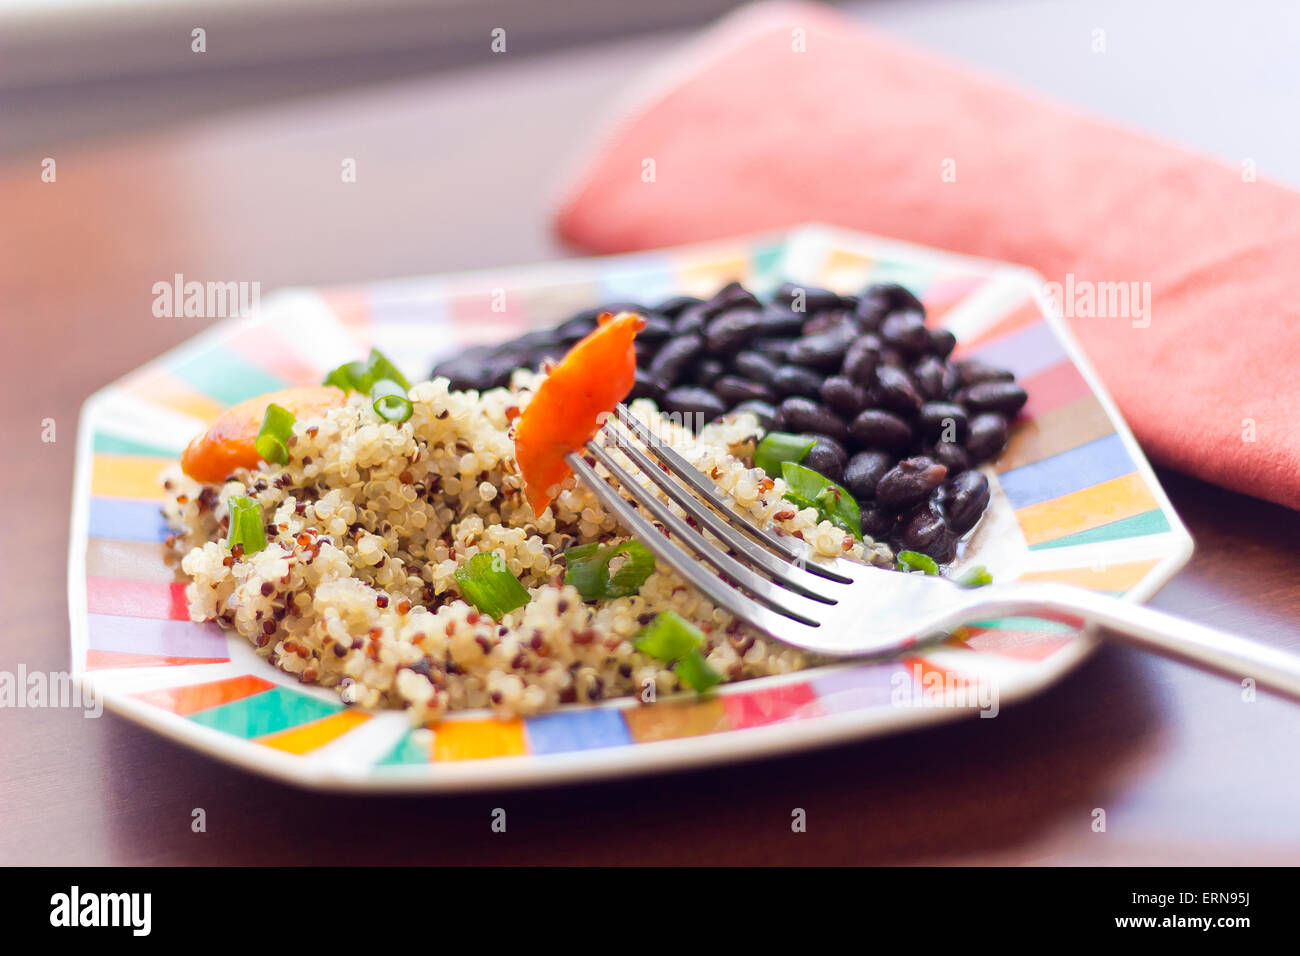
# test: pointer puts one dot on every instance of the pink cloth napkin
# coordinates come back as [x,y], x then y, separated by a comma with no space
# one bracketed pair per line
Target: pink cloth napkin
[748,133]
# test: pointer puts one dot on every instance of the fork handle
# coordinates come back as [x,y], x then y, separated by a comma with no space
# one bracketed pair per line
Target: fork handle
[1152,630]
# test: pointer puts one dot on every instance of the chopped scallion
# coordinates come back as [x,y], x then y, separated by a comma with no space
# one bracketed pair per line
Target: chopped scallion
[350,376]
[380,367]
[245,524]
[669,637]
[390,401]
[807,489]
[272,439]
[975,577]
[696,672]
[587,569]
[362,376]
[779,447]
[916,561]
[487,583]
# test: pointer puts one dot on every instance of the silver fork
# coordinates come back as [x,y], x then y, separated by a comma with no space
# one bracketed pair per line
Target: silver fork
[845,608]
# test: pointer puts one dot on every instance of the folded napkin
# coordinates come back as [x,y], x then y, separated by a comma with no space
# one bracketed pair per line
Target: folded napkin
[788,113]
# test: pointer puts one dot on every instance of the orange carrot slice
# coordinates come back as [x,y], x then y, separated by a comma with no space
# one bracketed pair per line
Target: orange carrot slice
[571,404]
[231,441]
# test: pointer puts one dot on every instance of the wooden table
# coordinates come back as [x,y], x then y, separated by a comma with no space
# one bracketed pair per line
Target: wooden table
[456,172]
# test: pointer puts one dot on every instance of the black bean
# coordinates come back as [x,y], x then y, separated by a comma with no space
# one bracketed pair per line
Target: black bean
[777,349]
[529,341]
[729,296]
[861,359]
[864,471]
[1005,397]
[985,436]
[673,359]
[780,322]
[673,307]
[733,390]
[928,376]
[876,521]
[463,369]
[646,386]
[962,500]
[951,379]
[765,412]
[906,332]
[893,357]
[657,328]
[805,415]
[942,342]
[697,406]
[645,352]
[575,328]
[754,366]
[951,455]
[823,322]
[946,421]
[895,391]
[705,372]
[595,312]
[823,351]
[484,372]
[732,330]
[827,458]
[876,428]
[806,298]
[844,397]
[792,380]
[512,355]
[879,301]
[923,529]
[910,481]
[692,319]
[973,371]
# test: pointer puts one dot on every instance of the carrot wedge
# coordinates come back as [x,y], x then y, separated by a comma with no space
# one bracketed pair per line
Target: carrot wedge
[230,442]
[572,403]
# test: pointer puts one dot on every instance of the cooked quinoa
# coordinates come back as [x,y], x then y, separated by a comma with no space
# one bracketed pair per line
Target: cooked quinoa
[368,521]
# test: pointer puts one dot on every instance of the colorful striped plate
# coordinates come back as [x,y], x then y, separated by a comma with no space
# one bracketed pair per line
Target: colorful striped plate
[1073,500]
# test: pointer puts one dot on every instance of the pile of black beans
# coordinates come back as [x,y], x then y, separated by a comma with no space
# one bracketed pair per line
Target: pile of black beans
[897,421]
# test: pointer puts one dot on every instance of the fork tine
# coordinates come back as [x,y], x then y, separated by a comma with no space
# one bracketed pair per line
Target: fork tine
[793,576]
[705,489]
[763,594]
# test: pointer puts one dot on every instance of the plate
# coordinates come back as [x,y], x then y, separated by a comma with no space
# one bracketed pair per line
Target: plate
[1073,500]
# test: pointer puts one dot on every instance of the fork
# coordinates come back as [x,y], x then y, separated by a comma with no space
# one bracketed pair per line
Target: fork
[842,608]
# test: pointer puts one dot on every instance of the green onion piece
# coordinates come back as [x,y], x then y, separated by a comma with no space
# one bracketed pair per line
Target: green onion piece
[390,402]
[362,376]
[245,524]
[916,561]
[276,428]
[669,637]
[380,368]
[350,376]
[587,569]
[807,489]
[487,583]
[778,447]
[975,577]
[696,673]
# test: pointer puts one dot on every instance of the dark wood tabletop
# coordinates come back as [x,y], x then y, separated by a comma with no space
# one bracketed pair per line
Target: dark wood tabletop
[454,172]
